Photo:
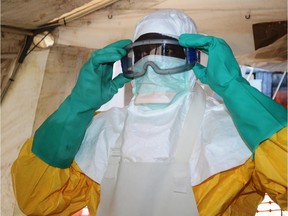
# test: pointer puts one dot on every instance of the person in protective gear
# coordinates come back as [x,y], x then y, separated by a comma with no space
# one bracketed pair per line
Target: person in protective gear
[144,158]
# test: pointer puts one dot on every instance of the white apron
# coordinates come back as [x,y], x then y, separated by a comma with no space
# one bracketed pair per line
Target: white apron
[154,188]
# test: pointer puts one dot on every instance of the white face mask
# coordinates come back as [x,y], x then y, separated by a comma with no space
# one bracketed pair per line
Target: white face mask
[160,90]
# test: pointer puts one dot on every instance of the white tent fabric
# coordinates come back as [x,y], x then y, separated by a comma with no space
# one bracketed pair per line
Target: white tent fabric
[18,114]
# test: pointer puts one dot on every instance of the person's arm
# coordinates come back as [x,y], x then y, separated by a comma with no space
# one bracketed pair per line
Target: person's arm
[256,116]
[58,139]
[269,174]
[41,189]
[46,179]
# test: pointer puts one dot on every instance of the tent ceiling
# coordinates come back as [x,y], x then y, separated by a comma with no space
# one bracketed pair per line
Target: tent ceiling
[30,14]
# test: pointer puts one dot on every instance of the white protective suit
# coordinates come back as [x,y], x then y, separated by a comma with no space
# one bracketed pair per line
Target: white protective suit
[149,131]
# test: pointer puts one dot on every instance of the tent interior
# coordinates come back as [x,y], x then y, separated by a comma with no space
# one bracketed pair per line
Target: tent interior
[45,43]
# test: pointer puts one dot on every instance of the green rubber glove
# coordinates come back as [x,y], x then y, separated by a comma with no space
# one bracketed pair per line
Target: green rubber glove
[58,139]
[256,116]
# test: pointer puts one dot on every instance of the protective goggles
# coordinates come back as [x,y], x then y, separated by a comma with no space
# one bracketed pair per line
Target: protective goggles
[165,56]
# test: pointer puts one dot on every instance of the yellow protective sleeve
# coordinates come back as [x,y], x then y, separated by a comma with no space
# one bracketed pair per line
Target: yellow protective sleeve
[41,189]
[240,190]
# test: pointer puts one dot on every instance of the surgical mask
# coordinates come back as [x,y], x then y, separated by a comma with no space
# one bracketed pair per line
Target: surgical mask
[135,63]
[156,90]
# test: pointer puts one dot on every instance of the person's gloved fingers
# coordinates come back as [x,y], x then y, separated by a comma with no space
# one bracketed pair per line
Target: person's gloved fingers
[107,55]
[200,72]
[119,44]
[197,41]
[206,44]
[110,53]
[119,81]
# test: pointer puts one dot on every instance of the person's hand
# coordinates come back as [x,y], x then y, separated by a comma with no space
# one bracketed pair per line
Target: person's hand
[222,66]
[256,116]
[58,139]
[95,85]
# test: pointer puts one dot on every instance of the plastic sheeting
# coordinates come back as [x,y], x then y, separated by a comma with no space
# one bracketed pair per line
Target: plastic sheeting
[272,57]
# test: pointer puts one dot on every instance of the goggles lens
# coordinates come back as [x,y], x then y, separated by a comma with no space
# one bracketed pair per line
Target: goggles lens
[158,54]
